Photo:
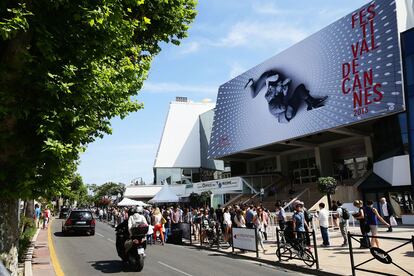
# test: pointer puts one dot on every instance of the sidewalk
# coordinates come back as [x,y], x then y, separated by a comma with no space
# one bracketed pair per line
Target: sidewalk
[41,262]
[336,259]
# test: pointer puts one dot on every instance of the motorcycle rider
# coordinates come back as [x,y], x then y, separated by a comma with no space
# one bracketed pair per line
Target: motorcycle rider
[135,218]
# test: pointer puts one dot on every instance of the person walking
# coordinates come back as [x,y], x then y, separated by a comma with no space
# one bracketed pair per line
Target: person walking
[227,225]
[46,217]
[259,225]
[266,217]
[220,218]
[157,220]
[37,214]
[239,219]
[372,219]
[175,217]
[101,213]
[196,219]
[280,216]
[250,213]
[324,224]
[343,216]
[167,225]
[386,212]
[363,226]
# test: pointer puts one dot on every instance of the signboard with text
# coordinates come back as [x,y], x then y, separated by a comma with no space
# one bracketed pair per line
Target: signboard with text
[244,238]
[219,186]
[346,73]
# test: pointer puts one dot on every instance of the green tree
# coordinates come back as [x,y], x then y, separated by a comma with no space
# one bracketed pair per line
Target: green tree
[67,67]
[76,191]
[327,185]
[109,189]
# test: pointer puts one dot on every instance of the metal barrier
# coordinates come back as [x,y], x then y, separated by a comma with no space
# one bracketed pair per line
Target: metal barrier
[315,220]
[377,254]
[244,239]
[294,245]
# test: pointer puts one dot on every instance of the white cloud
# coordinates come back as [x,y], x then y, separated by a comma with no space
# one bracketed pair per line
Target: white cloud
[268,8]
[235,70]
[172,87]
[260,35]
[190,47]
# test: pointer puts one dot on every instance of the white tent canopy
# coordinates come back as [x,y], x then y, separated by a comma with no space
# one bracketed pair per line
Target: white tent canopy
[130,202]
[167,194]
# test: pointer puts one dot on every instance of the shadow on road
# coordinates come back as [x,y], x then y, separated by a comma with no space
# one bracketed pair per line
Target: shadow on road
[61,234]
[58,234]
[108,266]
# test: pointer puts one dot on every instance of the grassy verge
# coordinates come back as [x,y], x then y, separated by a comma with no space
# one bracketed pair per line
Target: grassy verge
[29,229]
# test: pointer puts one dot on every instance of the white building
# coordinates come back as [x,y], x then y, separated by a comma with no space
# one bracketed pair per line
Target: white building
[182,152]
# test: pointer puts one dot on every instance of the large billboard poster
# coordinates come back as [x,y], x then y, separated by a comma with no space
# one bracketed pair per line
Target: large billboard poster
[348,72]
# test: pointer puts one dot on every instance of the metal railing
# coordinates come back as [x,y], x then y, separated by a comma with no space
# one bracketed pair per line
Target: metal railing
[296,198]
[378,254]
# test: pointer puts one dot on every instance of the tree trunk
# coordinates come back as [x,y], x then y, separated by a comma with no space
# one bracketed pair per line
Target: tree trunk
[329,201]
[9,233]
[29,211]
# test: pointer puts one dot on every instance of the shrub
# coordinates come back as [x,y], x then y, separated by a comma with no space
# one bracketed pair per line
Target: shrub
[28,231]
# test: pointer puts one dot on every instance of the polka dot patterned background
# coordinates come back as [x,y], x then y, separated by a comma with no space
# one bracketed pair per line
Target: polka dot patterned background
[242,122]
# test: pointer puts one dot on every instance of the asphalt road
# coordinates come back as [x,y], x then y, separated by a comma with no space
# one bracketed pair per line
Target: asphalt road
[96,255]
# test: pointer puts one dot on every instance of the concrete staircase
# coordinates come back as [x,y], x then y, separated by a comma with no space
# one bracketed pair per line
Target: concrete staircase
[308,193]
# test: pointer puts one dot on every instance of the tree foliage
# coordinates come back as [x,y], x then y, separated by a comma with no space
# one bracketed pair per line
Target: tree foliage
[200,200]
[327,185]
[109,189]
[66,68]
[76,191]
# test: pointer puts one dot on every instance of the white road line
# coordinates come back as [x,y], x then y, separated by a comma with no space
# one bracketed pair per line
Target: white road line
[100,235]
[175,269]
[111,240]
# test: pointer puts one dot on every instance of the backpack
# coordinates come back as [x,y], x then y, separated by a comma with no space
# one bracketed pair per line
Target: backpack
[308,216]
[345,213]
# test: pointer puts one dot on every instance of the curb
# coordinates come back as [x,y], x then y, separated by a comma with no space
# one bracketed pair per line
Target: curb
[53,258]
[29,255]
[291,267]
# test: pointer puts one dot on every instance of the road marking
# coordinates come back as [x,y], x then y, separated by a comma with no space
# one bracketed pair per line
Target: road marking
[100,235]
[175,269]
[53,257]
[111,240]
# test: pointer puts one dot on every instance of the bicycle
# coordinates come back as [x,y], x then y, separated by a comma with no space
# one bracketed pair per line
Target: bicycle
[295,249]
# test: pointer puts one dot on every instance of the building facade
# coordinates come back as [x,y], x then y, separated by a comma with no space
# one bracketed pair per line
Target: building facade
[182,152]
[338,103]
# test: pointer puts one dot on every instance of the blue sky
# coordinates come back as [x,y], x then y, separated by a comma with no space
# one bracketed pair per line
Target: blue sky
[227,38]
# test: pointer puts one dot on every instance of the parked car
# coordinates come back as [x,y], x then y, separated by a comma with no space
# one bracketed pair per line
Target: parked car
[64,211]
[79,221]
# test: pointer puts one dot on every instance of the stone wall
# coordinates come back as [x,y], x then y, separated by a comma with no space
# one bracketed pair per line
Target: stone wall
[9,234]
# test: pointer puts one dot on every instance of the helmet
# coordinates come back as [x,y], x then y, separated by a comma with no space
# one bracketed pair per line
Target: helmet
[131,211]
[140,209]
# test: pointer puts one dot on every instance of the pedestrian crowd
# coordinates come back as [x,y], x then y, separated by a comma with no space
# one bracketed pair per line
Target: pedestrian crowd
[209,223]
[303,221]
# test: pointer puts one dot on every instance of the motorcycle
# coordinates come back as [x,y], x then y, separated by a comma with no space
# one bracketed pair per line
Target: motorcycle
[135,255]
